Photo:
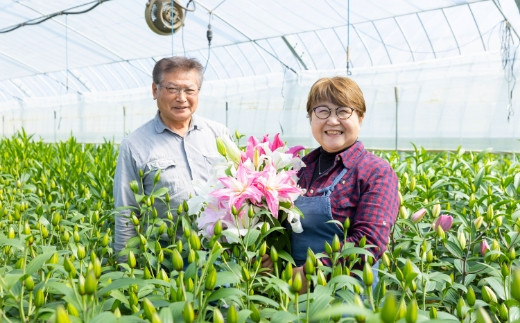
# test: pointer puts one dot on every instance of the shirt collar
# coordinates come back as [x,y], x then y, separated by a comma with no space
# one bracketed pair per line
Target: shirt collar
[161,127]
[349,157]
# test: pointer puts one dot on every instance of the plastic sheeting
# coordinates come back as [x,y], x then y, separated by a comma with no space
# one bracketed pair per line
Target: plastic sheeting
[438,104]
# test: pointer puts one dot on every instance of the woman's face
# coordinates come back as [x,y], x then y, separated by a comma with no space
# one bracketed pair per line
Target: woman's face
[335,134]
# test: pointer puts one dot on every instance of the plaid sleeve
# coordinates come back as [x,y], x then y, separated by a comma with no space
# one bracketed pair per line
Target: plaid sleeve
[378,205]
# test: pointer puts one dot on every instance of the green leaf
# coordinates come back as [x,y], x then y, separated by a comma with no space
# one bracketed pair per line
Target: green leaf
[160,192]
[478,177]
[227,278]
[454,249]
[118,294]
[283,316]
[37,263]
[104,317]
[251,237]
[17,243]
[342,310]
[166,315]
[223,293]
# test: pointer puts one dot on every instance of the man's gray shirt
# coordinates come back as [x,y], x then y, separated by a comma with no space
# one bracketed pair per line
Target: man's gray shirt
[181,160]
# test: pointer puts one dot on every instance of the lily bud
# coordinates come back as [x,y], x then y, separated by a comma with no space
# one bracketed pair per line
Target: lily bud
[297,283]
[488,295]
[91,282]
[470,296]
[217,229]
[515,284]
[255,313]
[418,215]
[445,222]
[490,213]
[61,315]
[29,283]
[460,308]
[403,212]
[81,253]
[232,314]
[484,247]
[494,246]
[39,298]
[385,260]
[217,316]
[462,239]
[187,313]
[157,177]
[401,311]
[177,261]
[149,308]
[288,272]
[482,316]
[436,211]
[389,309]
[503,312]
[221,148]
[309,266]
[498,221]
[195,241]
[429,256]
[274,254]
[211,279]
[232,150]
[368,275]
[433,312]
[336,245]
[412,311]
[131,259]
[321,278]
[413,182]
[478,222]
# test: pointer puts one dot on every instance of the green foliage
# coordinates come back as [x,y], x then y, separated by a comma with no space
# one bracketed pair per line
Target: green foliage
[57,264]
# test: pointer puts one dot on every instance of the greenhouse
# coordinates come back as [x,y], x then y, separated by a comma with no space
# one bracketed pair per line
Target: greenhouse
[240,161]
[440,74]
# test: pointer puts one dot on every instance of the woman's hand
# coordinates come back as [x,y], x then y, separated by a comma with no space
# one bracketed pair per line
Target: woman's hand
[267,263]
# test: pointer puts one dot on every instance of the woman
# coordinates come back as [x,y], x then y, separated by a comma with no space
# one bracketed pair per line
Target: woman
[342,180]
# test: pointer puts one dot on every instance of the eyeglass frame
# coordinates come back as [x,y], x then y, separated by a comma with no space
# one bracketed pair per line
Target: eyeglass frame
[178,90]
[335,110]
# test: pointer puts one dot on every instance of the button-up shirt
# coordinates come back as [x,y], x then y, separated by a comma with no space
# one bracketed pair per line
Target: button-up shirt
[367,194]
[181,161]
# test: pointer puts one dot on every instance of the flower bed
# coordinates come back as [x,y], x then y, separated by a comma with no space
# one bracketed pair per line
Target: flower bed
[451,256]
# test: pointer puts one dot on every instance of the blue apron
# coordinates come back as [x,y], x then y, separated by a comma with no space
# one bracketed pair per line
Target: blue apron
[317,212]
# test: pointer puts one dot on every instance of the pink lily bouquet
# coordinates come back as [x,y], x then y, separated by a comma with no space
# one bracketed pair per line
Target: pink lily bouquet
[251,186]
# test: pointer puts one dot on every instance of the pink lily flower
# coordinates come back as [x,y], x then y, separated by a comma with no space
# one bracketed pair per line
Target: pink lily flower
[277,187]
[252,145]
[417,216]
[275,144]
[295,150]
[238,189]
[445,221]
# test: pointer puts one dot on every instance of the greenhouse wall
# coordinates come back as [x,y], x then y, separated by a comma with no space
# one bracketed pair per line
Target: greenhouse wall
[438,105]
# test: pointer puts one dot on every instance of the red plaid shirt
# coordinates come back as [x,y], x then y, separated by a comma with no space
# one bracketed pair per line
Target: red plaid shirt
[367,194]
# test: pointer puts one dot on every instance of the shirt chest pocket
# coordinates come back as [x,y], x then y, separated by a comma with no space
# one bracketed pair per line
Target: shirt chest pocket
[169,174]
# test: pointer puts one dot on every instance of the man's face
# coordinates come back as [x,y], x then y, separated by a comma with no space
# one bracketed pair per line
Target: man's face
[177,98]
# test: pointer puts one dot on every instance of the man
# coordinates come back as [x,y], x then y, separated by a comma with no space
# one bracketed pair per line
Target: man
[178,143]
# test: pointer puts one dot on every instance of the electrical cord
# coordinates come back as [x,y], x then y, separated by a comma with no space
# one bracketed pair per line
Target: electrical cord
[40,20]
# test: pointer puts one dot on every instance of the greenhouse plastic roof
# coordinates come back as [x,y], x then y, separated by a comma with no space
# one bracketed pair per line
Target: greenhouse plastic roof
[51,48]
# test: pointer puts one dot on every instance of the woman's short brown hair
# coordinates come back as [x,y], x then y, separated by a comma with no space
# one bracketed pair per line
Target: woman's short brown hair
[339,90]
